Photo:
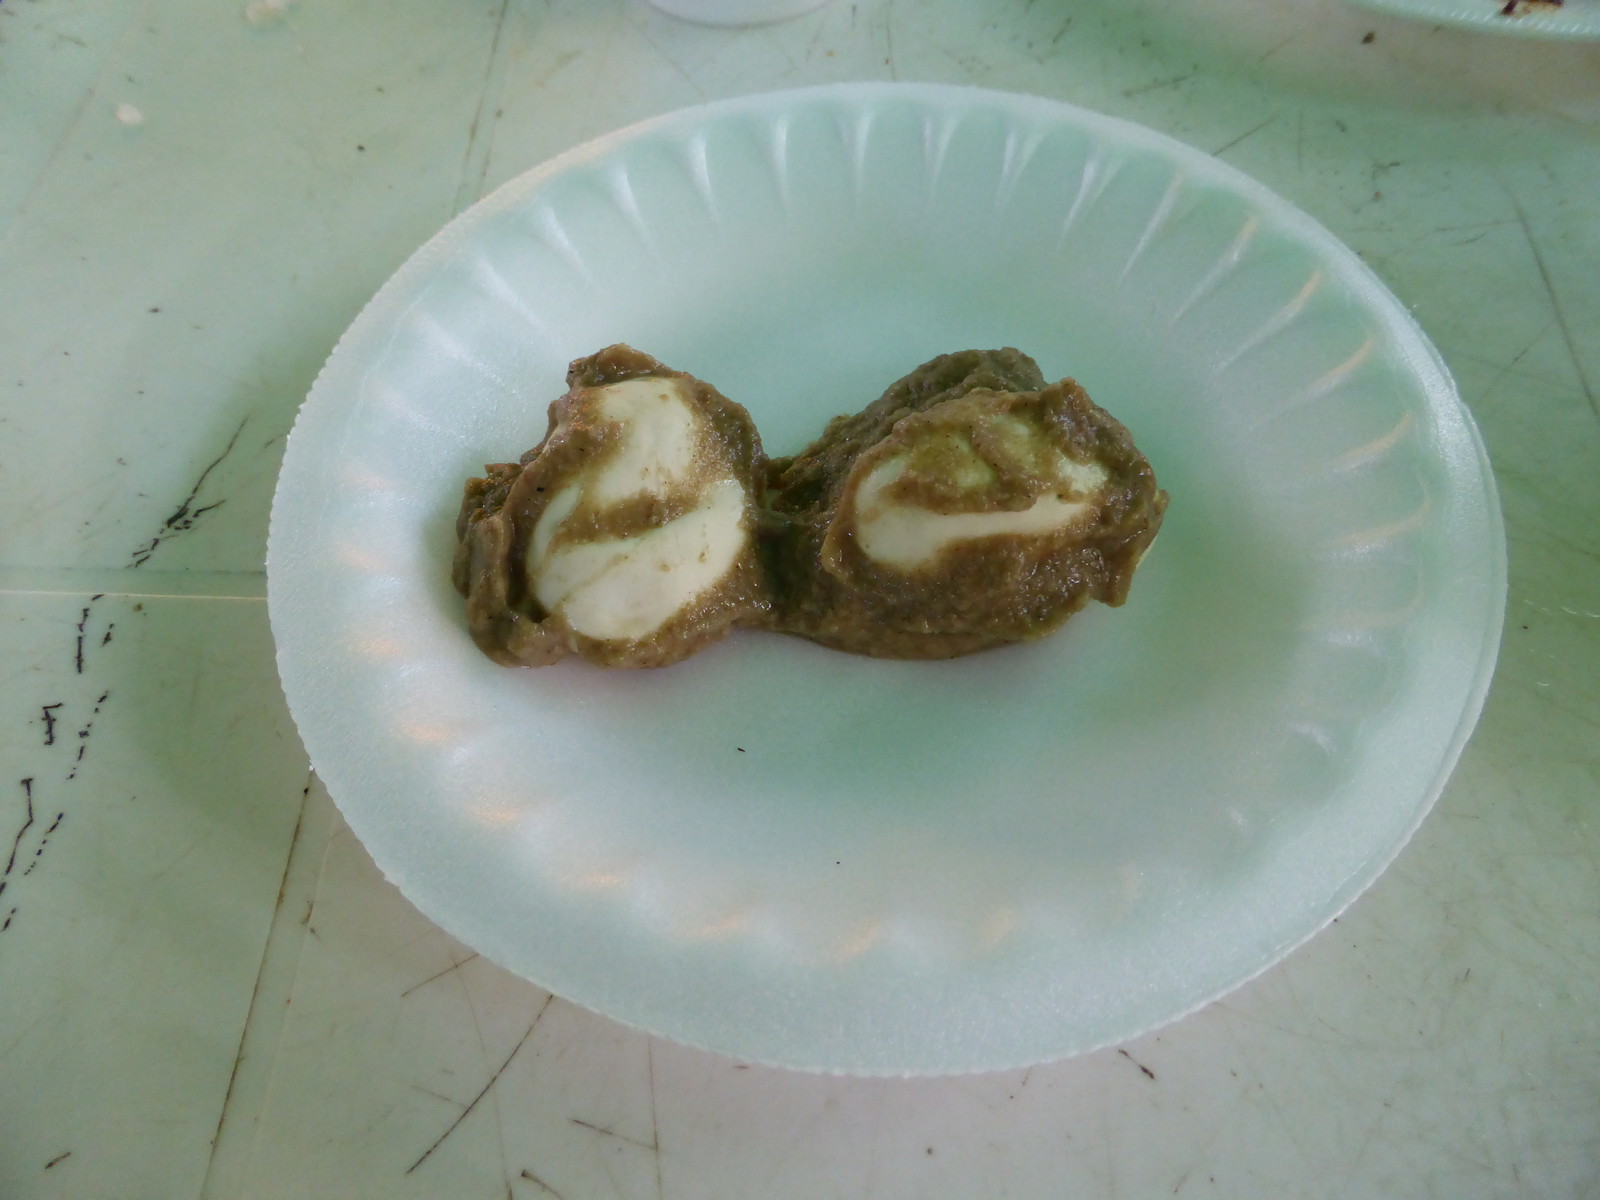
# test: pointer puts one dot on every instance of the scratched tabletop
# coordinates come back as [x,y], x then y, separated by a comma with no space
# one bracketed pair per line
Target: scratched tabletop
[207,989]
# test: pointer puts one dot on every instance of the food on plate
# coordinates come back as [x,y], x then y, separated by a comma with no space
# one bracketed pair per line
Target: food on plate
[971,505]
[627,536]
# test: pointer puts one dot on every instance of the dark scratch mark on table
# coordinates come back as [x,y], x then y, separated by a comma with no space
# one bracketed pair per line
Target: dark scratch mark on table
[455,966]
[534,1179]
[612,1133]
[1251,132]
[493,1079]
[1555,300]
[185,515]
[1148,1072]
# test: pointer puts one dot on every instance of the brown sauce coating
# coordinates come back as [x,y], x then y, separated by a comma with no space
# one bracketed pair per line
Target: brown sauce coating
[971,505]
[799,483]
[976,592]
[500,516]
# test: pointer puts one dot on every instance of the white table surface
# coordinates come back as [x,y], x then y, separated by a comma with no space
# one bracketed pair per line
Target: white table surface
[206,989]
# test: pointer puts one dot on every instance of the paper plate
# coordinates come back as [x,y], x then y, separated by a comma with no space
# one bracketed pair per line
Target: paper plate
[827,862]
[1577,20]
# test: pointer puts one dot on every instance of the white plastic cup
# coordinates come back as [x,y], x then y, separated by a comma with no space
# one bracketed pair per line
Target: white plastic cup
[736,12]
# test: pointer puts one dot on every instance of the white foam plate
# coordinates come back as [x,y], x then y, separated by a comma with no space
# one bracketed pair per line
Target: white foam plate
[828,862]
[1577,20]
